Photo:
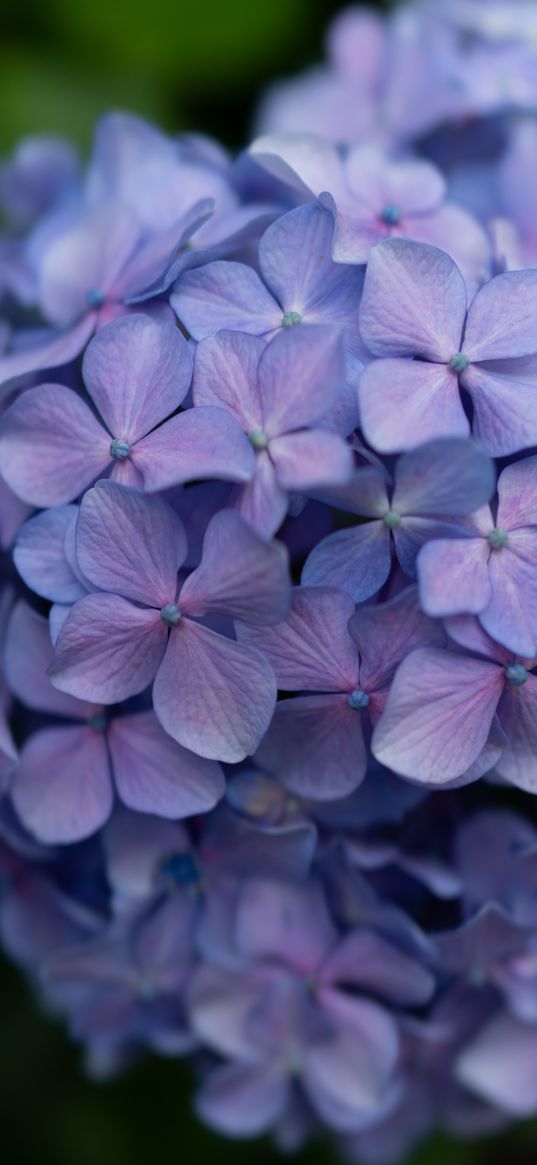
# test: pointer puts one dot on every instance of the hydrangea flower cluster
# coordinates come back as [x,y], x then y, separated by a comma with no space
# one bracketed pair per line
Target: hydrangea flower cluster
[268,608]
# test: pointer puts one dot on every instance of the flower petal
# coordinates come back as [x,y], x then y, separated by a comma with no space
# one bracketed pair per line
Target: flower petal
[315,746]
[406,402]
[501,318]
[200,443]
[357,560]
[62,789]
[301,377]
[224,295]
[454,576]
[40,557]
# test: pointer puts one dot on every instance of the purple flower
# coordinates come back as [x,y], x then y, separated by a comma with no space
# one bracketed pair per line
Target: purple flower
[289,1016]
[491,570]
[434,487]
[144,623]
[137,372]
[298,283]
[500,1065]
[442,707]
[283,395]
[316,744]
[414,319]
[374,197]
[63,785]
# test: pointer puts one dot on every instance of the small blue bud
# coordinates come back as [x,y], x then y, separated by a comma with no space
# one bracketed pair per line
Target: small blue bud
[291,319]
[258,439]
[498,538]
[516,674]
[170,614]
[391,214]
[459,362]
[358,700]
[119,449]
[94,298]
[392,519]
[181,869]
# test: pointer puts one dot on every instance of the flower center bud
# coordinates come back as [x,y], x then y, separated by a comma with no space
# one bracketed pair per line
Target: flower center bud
[98,722]
[291,318]
[119,449]
[392,519]
[358,700]
[459,362]
[391,214]
[498,538]
[94,298]
[516,674]
[181,868]
[170,614]
[258,439]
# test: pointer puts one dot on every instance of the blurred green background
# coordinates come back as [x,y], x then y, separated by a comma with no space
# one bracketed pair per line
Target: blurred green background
[186,66]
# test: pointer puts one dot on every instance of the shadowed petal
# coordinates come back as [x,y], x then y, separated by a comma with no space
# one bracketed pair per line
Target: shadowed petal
[285,922]
[107,649]
[316,746]
[241,1100]
[51,446]
[518,717]
[62,790]
[213,695]
[438,715]
[240,574]
[500,1065]
[28,655]
[40,557]
[130,544]
[311,649]
[353,1068]
[356,560]
[153,774]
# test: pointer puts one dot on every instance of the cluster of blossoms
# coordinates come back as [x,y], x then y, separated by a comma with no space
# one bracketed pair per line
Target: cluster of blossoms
[268,606]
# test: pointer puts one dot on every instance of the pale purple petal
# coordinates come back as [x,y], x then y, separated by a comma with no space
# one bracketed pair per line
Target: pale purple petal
[414,186]
[107,649]
[137,371]
[295,261]
[130,544]
[448,476]
[199,443]
[51,446]
[301,377]
[355,1067]
[240,574]
[311,459]
[225,375]
[261,501]
[153,774]
[438,715]
[212,695]
[406,402]
[225,295]
[356,560]
[504,396]
[62,789]
[511,614]
[453,576]
[517,493]
[387,632]
[414,302]
[501,318]
[316,747]
[311,650]
[301,160]
[365,959]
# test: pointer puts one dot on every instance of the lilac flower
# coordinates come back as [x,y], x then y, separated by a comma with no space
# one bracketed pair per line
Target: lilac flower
[491,570]
[442,707]
[137,372]
[415,321]
[316,744]
[289,1017]
[298,284]
[500,1065]
[374,197]
[434,487]
[113,644]
[282,395]
[63,786]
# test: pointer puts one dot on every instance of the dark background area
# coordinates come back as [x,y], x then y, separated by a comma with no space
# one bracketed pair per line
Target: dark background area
[185,66]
